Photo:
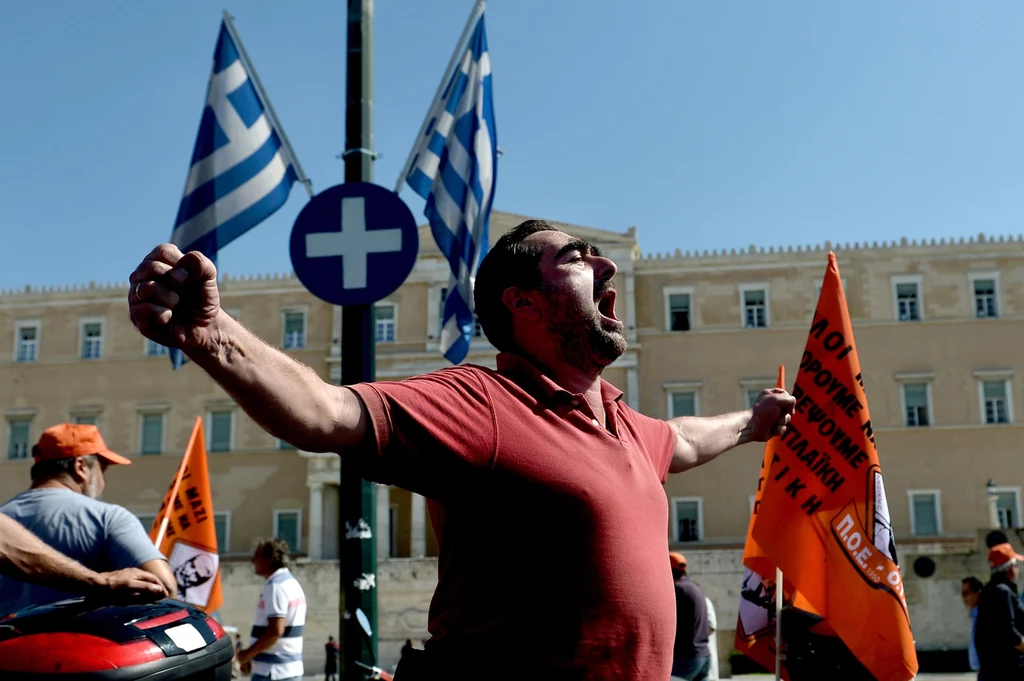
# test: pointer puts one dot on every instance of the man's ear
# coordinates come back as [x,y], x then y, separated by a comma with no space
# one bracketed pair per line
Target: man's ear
[521,303]
[80,470]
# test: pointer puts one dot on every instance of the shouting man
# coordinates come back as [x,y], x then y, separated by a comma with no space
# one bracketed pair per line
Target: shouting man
[539,462]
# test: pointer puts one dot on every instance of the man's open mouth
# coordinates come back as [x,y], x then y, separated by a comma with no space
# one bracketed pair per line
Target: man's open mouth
[606,305]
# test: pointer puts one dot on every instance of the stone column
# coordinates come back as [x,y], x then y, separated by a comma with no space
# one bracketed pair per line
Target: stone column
[383,528]
[631,307]
[316,520]
[418,543]
[633,388]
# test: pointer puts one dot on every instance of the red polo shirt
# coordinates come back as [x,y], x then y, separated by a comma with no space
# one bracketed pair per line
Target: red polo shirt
[553,528]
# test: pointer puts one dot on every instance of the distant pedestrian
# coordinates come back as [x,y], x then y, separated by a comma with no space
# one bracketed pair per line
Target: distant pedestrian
[275,645]
[690,659]
[998,632]
[331,665]
[712,640]
[970,592]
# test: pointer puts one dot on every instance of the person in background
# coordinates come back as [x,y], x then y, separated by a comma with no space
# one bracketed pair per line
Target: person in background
[970,591]
[712,640]
[63,509]
[331,664]
[998,630]
[275,645]
[24,557]
[690,659]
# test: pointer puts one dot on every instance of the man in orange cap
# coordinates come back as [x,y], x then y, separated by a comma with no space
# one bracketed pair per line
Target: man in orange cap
[691,659]
[999,630]
[63,509]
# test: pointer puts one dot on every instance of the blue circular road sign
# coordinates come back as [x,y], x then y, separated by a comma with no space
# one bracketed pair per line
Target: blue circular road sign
[354,244]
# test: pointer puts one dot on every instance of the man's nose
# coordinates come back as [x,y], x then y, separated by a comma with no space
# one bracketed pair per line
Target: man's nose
[604,268]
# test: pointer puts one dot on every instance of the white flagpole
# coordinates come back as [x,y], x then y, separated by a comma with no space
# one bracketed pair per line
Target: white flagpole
[778,623]
[478,9]
[305,181]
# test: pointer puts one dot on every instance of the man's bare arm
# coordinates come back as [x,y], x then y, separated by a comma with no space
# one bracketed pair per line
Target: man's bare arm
[701,439]
[26,557]
[285,397]
[174,301]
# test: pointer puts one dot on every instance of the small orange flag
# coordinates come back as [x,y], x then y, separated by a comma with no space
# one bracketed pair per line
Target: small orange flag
[822,515]
[755,627]
[189,540]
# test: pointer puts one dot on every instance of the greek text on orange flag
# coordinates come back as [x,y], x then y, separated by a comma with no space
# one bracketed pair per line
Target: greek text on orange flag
[190,539]
[823,516]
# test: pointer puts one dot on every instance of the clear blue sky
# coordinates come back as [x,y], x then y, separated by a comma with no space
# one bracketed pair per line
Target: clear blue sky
[706,124]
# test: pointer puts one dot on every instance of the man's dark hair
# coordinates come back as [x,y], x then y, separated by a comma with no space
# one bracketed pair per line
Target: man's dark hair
[510,263]
[974,583]
[48,470]
[276,550]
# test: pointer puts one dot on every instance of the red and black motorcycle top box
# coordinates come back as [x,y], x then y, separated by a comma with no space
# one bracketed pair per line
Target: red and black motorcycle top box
[82,639]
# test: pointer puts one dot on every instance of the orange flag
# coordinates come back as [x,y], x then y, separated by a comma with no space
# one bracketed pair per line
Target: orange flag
[185,532]
[822,515]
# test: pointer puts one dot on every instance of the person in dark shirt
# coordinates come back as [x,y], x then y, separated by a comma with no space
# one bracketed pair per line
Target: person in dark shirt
[998,630]
[691,659]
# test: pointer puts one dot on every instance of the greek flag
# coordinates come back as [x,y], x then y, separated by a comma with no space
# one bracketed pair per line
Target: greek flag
[241,172]
[454,168]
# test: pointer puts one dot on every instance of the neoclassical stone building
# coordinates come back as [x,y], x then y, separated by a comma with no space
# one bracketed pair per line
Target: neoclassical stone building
[938,327]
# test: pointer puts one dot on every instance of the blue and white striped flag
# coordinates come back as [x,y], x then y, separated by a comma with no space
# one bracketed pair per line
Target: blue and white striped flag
[454,168]
[241,172]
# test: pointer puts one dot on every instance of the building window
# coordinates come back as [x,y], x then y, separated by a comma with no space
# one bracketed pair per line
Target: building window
[754,298]
[393,531]
[288,526]
[478,331]
[688,518]
[18,438]
[925,517]
[294,330]
[284,446]
[384,320]
[26,342]
[151,434]
[678,308]
[221,430]
[92,339]
[906,293]
[916,404]
[222,525]
[985,297]
[154,349]
[995,401]
[85,419]
[1008,507]
[682,403]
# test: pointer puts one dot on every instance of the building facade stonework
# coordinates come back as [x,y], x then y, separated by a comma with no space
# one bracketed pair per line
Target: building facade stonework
[937,324]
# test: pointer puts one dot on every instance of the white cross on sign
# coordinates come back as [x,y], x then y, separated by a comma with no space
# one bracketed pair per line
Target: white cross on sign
[353,243]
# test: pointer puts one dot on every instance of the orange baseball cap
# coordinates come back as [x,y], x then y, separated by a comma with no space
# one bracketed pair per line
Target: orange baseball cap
[1001,554]
[67,441]
[676,560]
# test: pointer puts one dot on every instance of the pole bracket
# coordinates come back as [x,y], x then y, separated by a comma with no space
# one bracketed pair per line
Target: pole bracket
[361,150]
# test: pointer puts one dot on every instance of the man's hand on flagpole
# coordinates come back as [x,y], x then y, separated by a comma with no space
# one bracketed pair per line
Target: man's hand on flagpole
[173,298]
[770,415]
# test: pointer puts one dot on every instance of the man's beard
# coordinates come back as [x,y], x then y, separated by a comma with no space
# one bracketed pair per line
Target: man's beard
[584,341]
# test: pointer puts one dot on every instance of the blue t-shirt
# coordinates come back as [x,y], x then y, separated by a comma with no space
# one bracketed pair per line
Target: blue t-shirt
[101,536]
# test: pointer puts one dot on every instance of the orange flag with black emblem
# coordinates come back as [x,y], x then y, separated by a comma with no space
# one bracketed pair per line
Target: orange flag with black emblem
[822,515]
[185,532]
